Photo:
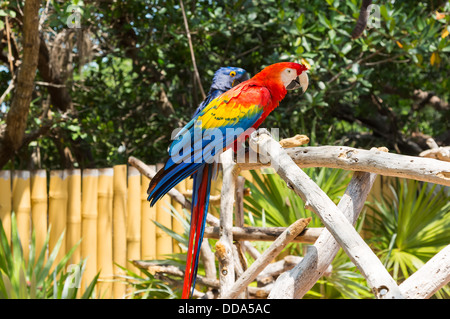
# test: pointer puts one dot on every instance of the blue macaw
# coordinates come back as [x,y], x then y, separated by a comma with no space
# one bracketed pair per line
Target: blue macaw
[224,79]
[240,109]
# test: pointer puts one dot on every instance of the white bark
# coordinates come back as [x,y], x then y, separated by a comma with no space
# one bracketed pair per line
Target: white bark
[308,236]
[428,279]
[269,254]
[379,162]
[224,250]
[298,281]
[342,230]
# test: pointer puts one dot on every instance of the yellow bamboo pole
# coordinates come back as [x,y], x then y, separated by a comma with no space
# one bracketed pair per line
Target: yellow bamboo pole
[119,226]
[177,225]
[148,228]
[5,202]
[104,232]
[39,207]
[22,207]
[57,211]
[89,214]
[134,217]
[73,234]
[163,240]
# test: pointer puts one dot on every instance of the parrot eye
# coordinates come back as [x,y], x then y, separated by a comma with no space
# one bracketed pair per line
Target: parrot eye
[232,73]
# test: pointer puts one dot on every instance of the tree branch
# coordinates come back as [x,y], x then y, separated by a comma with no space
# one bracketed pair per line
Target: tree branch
[378,278]
[191,48]
[16,119]
[269,254]
[372,161]
[297,282]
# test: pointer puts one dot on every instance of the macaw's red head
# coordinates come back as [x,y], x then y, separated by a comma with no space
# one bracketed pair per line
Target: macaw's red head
[289,75]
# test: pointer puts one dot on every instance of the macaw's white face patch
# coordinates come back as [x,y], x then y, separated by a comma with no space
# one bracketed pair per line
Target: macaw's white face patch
[287,76]
[291,81]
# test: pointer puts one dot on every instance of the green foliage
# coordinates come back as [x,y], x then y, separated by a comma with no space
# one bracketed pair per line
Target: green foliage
[410,227]
[141,52]
[35,279]
[274,204]
[146,286]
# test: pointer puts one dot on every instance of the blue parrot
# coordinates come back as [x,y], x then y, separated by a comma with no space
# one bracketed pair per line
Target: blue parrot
[224,79]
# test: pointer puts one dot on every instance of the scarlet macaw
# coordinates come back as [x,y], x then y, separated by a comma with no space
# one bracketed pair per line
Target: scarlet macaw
[243,107]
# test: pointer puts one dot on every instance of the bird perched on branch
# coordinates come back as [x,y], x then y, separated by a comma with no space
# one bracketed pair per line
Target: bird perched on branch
[217,125]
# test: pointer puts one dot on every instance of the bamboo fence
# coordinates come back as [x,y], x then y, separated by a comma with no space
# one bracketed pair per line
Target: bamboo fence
[107,209]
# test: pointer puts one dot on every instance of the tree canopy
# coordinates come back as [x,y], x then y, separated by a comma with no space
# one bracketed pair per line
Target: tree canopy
[114,78]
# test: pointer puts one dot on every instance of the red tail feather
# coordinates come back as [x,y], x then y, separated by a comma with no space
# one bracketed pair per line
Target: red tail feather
[195,233]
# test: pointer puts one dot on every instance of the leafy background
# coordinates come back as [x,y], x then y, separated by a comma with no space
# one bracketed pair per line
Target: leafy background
[128,55]
[123,81]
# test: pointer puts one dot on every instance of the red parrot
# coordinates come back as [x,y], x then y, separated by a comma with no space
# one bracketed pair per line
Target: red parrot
[207,135]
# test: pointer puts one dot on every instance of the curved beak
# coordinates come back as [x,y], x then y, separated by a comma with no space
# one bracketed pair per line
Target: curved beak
[300,81]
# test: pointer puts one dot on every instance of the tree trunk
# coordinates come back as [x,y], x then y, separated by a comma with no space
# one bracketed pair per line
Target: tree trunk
[16,119]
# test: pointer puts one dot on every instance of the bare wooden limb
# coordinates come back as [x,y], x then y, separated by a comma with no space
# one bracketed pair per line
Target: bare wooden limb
[440,153]
[362,19]
[372,161]
[164,270]
[249,248]
[240,260]
[294,141]
[224,247]
[431,277]
[213,199]
[354,246]
[308,236]
[298,281]
[258,265]
[208,260]
[273,270]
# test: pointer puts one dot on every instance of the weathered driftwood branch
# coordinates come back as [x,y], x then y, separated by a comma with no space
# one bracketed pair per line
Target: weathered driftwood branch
[439,153]
[273,270]
[354,246]
[269,254]
[379,162]
[208,260]
[294,141]
[428,279]
[298,281]
[239,256]
[224,247]
[308,236]
[171,270]
[213,199]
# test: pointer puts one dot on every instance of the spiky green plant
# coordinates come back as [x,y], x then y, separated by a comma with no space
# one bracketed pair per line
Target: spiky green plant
[410,227]
[273,202]
[147,286]
[34,279]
